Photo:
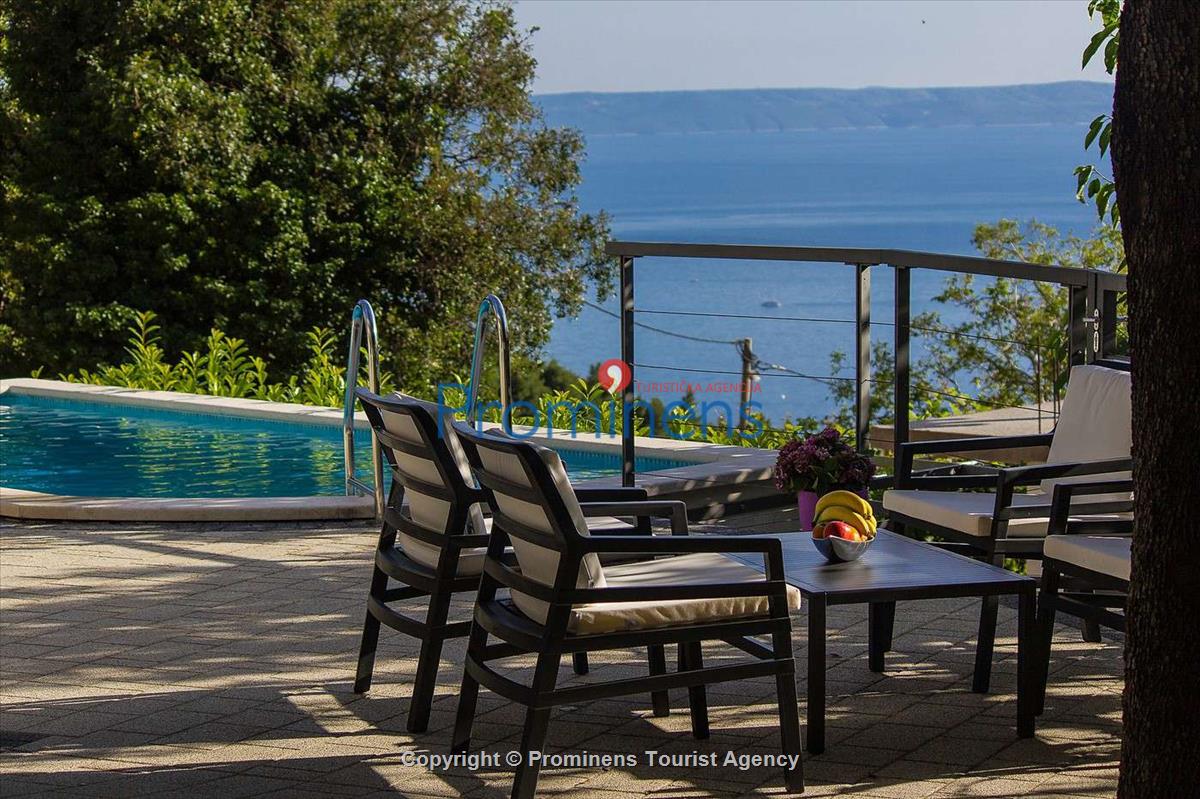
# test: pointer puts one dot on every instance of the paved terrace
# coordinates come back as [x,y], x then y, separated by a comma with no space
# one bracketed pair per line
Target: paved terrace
[217,661]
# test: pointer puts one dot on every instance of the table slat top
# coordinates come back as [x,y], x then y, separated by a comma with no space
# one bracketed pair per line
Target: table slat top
[892,563]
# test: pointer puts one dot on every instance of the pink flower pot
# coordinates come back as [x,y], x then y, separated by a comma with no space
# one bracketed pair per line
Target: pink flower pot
[806,504]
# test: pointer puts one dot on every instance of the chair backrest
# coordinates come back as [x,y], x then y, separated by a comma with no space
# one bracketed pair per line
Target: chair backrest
[533,503]
[431,466]
[1095,421]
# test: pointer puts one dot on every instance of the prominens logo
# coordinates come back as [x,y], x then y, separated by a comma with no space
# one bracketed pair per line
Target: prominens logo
[683,419]
[614,374]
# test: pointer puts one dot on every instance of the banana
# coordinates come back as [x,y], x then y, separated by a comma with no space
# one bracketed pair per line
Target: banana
[847,499]
[842,514]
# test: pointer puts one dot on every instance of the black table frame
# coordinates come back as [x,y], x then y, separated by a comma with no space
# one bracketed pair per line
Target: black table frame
[942,575]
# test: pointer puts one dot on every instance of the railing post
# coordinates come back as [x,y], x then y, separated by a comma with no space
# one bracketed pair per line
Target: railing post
[628,452]
[1077,315]
[862,356]
[1108,322]
[901,410]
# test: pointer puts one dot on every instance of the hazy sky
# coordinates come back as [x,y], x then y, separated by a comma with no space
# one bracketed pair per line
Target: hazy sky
[623,45]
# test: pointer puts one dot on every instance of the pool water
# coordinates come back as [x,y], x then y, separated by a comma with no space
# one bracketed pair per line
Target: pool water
[106,450]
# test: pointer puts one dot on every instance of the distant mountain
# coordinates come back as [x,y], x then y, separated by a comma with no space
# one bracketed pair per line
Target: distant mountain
[598,114]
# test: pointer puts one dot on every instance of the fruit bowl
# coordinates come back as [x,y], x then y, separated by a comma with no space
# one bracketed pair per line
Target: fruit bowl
[839,550]
[843,526]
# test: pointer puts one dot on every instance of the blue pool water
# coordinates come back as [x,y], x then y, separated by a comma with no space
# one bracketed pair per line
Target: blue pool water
[100,449]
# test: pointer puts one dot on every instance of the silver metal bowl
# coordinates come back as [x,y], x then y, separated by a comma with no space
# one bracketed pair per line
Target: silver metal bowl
[839,550]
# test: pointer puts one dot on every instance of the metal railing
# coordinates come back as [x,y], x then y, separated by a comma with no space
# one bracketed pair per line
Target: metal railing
[491,306]
[362,326]
[1091,318]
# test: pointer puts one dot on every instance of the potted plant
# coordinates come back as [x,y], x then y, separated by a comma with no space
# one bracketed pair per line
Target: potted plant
[816,465]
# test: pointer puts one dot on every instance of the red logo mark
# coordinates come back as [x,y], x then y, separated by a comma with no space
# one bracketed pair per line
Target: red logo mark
[614,374]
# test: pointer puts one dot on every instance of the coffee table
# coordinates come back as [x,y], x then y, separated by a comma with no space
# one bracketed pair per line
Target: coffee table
[894,569]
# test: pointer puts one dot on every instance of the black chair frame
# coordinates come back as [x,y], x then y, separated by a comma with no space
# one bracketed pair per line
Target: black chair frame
[520,635]
[440,584]
[1071,588]
[994,547]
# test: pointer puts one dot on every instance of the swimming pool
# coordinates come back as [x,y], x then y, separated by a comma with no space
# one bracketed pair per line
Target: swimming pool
[104,449]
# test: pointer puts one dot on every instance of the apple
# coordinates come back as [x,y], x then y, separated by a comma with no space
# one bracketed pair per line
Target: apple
[841,530]
[819,530]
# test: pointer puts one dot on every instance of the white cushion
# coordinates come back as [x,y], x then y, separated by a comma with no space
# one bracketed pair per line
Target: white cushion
[540,563]
[607,617]
[1107,554]
[1094,424]
[970,512]
[430,512]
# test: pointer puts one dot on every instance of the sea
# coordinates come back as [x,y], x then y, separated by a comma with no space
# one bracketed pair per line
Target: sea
[901,188]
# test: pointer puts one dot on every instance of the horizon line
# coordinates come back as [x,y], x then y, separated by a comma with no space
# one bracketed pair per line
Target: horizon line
[818,88]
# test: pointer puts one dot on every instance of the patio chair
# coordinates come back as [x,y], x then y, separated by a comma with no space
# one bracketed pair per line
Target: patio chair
[1092,439]
[563,600]
[433,540]
[1085,565]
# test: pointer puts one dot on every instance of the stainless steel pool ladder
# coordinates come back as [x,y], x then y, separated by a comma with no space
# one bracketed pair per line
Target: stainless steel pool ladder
[362,324]
[491,305]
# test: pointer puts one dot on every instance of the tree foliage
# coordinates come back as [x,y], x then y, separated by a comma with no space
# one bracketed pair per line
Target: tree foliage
[259,165]
[1012,348]
[224,367]
[1094,184]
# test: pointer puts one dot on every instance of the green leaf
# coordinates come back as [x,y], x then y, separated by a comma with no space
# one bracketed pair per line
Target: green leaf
[1105,138]
[1093,131]
[1110,54]
[1097,40]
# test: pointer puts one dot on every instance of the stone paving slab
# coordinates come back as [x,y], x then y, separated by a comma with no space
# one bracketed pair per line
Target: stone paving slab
[216,660]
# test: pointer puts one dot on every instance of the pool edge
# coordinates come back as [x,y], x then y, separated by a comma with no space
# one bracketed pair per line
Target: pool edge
[33,505]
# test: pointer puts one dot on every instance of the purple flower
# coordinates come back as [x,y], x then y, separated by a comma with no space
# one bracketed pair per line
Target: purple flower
[822,462]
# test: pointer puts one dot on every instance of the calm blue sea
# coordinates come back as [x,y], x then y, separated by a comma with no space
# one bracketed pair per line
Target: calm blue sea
[921,189]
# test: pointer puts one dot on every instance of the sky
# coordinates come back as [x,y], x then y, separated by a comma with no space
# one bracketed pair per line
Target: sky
[648,45]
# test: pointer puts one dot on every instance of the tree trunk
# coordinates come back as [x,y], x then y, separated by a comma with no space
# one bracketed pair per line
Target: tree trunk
[1156,165]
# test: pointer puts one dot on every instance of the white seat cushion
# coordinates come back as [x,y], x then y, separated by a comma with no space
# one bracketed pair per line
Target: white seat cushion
[606,617]
[1106,554]
[970,512]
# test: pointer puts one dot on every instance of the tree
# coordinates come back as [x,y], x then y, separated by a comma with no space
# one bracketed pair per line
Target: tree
[1156,165]
[259,165]
[1012,348]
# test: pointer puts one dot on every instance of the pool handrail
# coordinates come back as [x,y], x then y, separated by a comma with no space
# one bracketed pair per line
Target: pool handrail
[491,304]
[362,323]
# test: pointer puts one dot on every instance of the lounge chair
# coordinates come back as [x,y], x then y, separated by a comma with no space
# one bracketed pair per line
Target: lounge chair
[1085,564]
[563,600]
[992,520]
[433,540]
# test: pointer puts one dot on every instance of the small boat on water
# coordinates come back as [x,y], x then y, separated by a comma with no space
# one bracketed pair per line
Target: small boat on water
[772,304]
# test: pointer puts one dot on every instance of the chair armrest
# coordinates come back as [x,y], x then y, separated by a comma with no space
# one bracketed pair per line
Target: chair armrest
[615,494]
[688,545]
[672,509]
[1060,508]
[682,545]
[618,494]
[1030,475]
[769,547]
[1008,479]
[962,445]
